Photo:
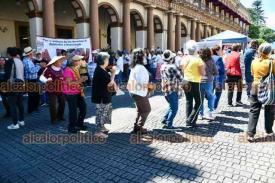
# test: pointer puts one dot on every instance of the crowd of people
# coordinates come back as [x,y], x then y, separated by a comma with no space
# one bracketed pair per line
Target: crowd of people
[198,73]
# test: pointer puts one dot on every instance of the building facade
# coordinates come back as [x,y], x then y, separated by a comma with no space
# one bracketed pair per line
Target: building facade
[121,24]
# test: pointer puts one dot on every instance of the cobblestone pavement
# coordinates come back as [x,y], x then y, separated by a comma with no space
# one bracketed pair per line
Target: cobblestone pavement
[215,152]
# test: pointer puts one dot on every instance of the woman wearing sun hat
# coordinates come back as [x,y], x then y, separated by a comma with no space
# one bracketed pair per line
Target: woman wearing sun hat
[171,82]
[53,77]
[73,90]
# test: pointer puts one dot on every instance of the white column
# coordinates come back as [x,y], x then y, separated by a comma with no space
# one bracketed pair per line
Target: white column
[116,37]
[141,38]
[36,29]
[82,30]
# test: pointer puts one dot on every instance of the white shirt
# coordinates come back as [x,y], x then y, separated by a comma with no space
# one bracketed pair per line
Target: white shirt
[119,65]
[138,81]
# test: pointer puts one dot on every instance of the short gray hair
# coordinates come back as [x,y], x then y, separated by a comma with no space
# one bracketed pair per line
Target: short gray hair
[101,57]
[265,49]
[191,47]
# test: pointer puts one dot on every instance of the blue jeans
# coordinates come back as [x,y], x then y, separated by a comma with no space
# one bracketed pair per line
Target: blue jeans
[218,92]
[173,101]
[207,90]
[118,78]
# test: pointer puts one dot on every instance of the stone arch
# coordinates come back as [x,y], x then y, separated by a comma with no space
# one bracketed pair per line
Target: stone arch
[109,26]
[139,22]
[183,30]
[80,12]
[137,29]
[158,26]
[112,12]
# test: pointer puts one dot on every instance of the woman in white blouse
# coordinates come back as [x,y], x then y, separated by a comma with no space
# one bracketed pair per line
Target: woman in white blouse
[138,86]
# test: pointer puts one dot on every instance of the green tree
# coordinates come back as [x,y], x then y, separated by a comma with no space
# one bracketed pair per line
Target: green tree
[254,31]
[257,13]
[267,34]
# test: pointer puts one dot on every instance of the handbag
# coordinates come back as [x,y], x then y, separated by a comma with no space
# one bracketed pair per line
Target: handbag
[266,88]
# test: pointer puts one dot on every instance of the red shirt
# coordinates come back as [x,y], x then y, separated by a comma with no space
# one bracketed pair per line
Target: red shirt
[233,65]
[54,86]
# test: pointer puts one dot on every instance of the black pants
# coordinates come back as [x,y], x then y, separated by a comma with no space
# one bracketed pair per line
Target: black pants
[232,82]
[192,93]
[255,108]
[4,97]
[33,97]
[15,100]
[76,119]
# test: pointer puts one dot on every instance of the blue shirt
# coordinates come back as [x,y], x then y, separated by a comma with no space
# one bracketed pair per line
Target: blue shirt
[248,58]
[221,69]
[30,69]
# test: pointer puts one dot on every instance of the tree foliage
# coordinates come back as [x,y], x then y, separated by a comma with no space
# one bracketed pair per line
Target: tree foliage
[257,13]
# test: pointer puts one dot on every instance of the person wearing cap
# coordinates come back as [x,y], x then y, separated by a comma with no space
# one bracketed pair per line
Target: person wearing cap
[171,82]
[74,93]
[207,84]
[102,90]
[138,86]
[53,78]
[30,71]
[193,70]
[14,74]
[260,68]
[178,59]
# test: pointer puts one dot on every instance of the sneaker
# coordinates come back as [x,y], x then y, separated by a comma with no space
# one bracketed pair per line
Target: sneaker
[215,111]
[163,122]
[209,116]
[239,103]
[250,138]
[100,135]
[21,123]
[270,134]
[104,129]
[13,127]
[200,117]
[230,105]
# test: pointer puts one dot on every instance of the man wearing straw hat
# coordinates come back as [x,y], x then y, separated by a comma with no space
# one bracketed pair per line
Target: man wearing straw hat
[30,71]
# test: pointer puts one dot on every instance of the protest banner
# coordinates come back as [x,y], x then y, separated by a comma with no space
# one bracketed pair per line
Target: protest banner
[50,47]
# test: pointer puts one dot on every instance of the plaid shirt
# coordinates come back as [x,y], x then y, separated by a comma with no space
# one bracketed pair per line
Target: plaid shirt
[171,78]
[30,69]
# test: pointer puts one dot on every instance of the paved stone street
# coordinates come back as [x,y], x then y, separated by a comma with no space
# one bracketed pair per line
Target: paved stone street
[215,152]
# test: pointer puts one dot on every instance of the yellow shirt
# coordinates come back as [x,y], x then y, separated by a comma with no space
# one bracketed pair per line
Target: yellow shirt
[191,72]
[260,68]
